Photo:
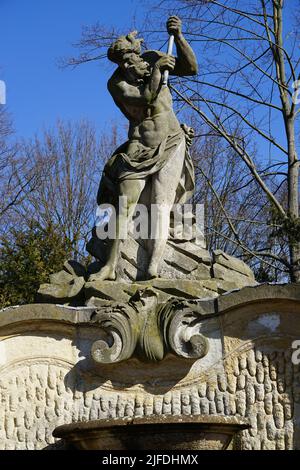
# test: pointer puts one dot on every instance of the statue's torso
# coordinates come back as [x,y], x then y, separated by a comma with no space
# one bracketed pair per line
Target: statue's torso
[155,122]
[151,124]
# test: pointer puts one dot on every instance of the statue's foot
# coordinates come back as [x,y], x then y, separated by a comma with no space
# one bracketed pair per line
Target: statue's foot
[107,273]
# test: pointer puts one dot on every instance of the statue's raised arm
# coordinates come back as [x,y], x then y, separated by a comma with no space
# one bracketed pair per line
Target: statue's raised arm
[185,62]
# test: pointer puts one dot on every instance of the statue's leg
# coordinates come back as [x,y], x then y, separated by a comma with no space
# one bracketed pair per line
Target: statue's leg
[130,190]
[164,185]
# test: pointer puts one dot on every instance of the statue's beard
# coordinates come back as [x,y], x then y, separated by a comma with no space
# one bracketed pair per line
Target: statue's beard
[139,70]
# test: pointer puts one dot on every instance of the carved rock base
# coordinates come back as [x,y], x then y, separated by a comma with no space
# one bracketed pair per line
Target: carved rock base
[187,275]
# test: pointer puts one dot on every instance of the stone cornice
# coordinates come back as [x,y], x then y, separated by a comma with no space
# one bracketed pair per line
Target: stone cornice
[147,329]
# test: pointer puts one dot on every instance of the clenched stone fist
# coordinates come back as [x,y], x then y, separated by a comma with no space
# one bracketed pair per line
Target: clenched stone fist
[166,62]
[174,25]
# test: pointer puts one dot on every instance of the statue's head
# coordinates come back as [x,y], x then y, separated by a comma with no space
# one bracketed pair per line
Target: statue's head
[125,52]
[124,45]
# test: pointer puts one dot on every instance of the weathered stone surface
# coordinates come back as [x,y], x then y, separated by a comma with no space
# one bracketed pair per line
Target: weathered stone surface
[181,260]
[231,263]
[264,293]
[187,271]
[48,377]
[62,277]
[164,288]
[74,268]
[107,290]
[234,278]
[192,250]
[66,286]
[147,328]
[154,432]
[63,293]
[184,288]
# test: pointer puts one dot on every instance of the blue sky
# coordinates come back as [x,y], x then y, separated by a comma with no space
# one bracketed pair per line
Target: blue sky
[33,35]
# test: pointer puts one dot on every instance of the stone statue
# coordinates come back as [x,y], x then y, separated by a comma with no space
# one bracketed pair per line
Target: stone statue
[154,164]
[152,168]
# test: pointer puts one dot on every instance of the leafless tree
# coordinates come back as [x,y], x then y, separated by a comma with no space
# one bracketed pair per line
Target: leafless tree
[245,92]
[235,209]
[69,161]
[16,175]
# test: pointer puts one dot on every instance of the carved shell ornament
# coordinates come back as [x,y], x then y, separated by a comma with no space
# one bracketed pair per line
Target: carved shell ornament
[147,330]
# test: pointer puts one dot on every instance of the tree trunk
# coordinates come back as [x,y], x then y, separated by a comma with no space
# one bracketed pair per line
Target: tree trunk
[293,199]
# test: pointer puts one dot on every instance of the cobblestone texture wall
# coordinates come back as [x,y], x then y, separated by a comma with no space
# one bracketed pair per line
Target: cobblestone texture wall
[35,398]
